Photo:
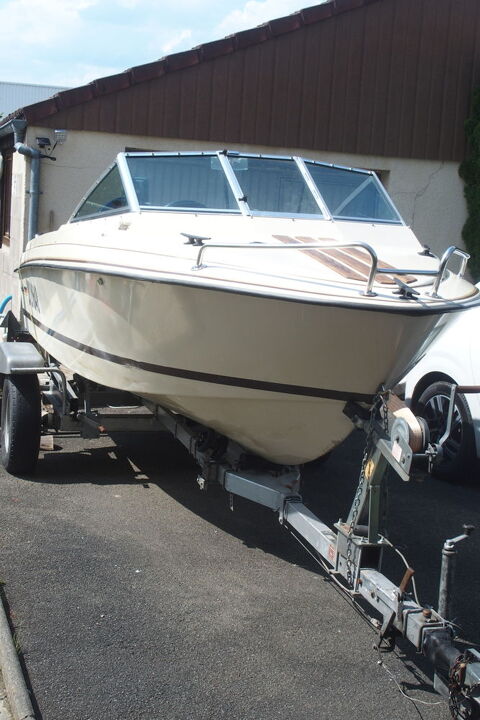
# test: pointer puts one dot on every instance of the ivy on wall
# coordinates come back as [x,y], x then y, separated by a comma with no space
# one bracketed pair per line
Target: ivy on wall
[470,174]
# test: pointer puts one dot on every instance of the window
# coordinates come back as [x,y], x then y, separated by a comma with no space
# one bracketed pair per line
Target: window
[107,196]
[274,186]
[352,194]
[181,182]
[5,194]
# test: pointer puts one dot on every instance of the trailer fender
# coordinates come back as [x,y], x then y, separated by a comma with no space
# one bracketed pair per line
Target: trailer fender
[21,356]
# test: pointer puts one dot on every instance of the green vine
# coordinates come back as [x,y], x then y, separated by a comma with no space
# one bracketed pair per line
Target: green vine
[470,174]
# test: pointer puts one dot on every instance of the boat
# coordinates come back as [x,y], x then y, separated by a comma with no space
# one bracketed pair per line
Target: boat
[253,294]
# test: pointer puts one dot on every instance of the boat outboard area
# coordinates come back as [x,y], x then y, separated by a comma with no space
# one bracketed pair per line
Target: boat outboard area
[254,294]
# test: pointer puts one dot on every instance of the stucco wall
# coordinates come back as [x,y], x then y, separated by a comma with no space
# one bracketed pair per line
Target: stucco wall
[428,194]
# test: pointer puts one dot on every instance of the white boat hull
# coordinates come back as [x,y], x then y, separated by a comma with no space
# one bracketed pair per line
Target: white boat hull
[224,358]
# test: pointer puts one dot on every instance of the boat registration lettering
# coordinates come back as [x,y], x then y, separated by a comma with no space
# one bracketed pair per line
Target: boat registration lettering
[31,292]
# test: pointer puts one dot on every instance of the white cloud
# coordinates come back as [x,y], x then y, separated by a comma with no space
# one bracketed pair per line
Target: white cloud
[81,74]
[256,12]
[176,41]
[32,22]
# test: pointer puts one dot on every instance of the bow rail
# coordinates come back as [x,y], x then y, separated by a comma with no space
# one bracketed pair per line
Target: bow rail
[439,273]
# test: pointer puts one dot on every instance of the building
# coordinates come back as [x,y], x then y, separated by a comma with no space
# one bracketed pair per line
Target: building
[15,95]
[379,84]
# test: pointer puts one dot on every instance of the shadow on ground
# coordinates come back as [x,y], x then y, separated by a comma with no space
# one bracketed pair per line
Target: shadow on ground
[421,514]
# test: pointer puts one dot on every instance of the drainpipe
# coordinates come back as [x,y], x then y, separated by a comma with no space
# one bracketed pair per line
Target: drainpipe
[34,190]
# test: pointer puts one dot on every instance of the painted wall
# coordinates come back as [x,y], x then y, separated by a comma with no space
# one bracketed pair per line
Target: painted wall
[428,194]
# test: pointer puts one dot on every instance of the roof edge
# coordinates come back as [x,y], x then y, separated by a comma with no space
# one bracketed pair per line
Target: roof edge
[182,60]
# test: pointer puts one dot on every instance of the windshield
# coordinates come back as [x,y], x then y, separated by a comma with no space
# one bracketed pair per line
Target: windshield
[274,186]
[235,183]
[181,181]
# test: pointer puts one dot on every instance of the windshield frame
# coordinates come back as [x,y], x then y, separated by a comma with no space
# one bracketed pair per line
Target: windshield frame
[132,202]
[244,209]
[378,184]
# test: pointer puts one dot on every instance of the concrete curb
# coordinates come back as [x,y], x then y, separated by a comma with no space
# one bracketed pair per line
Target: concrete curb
[15,686]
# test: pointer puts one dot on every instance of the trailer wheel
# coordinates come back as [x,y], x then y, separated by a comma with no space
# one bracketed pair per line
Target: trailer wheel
[459,458]
[20,429]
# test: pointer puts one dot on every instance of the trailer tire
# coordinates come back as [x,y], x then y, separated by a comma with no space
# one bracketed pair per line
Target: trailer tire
[459,461]
[21,421]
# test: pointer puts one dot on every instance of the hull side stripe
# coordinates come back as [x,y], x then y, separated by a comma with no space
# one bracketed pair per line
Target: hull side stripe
[203,376]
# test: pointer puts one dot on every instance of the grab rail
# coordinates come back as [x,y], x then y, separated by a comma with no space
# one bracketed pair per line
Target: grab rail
[374,269]
[449,252]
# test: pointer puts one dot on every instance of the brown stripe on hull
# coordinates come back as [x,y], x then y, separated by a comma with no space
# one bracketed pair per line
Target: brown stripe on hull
[187,374]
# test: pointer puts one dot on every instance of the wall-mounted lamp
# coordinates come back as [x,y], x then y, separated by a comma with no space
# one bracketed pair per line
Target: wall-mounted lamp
[43,142]
[60,136]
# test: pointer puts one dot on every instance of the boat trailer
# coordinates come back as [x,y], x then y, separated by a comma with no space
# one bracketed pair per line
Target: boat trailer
[350,553]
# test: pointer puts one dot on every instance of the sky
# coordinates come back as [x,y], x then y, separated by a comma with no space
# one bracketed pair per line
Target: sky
[71,42]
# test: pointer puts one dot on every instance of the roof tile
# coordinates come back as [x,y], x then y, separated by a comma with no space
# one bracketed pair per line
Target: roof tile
[40,110]
[112,83]
[316,13]
[149,71]
[75,96]
[283,25]
[215,49]
[181,60]
[340,6]
[254,36]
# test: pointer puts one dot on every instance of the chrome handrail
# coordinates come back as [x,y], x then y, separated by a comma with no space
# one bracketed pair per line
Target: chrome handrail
[374,269]
[452,250]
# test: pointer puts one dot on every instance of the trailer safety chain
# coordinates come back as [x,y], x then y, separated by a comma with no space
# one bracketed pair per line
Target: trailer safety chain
[460,702]
[356,500]
[379,404]
[383,395]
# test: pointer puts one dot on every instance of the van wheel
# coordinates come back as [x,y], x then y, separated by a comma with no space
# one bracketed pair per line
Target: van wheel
[459,462]
[21,419]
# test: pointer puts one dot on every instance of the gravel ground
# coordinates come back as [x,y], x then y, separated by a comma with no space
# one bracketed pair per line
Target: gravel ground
[135,595]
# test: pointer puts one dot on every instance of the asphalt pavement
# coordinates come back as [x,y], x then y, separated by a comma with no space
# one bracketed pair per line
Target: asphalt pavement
[135,595]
